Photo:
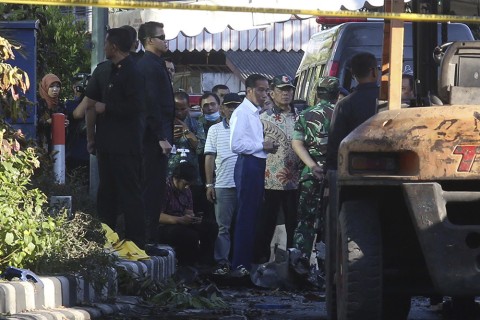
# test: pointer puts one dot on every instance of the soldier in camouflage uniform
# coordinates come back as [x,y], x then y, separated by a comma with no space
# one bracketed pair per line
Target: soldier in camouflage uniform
[310,144]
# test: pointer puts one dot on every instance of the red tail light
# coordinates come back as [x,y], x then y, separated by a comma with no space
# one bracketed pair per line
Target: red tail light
[333,69]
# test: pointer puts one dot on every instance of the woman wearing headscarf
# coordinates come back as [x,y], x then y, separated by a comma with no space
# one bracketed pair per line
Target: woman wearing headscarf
[48,104]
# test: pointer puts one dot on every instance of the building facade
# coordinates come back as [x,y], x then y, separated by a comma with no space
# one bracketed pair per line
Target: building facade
[230,56]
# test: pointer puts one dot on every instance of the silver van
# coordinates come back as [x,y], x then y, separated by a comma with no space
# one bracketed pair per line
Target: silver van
[329,51]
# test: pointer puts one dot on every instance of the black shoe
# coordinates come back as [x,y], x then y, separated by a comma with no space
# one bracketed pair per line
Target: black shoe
[221,270]
[302,266]
[239,272]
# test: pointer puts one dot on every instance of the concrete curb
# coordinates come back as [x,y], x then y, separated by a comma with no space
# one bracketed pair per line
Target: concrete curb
[96,310]
[59,296]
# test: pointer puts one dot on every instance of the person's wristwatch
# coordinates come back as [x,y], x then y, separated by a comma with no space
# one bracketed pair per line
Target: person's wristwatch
[209,185]
[186,131]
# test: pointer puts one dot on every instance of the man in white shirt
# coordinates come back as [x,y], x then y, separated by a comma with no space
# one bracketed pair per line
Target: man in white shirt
[246,140]
[219,168]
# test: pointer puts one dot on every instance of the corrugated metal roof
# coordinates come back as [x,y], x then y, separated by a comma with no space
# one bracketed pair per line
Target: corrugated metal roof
[266,63]
[291,35]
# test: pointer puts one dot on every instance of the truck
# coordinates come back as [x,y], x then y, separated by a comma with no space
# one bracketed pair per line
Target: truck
[402,209]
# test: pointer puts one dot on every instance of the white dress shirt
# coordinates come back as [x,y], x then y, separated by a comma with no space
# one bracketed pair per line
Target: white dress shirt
[246,130]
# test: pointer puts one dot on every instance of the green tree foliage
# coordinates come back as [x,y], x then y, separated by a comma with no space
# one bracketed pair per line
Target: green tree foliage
[63,47]
[63,42]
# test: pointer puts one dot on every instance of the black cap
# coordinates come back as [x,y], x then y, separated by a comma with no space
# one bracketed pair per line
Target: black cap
[231,98]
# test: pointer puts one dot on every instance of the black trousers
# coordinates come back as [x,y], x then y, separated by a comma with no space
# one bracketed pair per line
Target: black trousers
[119,191]
[275,201]
[201,204]
[193,243]
[155,176]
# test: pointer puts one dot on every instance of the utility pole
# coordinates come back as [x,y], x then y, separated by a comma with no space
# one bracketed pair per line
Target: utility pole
[99,28]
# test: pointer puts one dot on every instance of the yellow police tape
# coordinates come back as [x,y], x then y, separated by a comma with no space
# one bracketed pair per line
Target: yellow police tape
[145,4]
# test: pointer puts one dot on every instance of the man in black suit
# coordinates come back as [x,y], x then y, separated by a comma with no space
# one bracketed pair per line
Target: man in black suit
[160,104]
[115,127]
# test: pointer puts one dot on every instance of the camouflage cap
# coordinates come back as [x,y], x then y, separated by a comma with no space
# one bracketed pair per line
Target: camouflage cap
[328,85]
[281,81]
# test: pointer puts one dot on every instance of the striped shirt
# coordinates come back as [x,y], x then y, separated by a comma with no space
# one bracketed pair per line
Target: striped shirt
[218,143]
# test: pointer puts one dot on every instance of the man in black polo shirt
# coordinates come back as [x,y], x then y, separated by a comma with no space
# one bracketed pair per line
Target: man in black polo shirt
[160,106]
[355,108]
[115,113]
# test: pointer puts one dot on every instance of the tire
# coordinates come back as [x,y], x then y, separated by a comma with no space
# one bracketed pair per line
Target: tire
[359,262]
[330,265]
[464,308]
[396,307]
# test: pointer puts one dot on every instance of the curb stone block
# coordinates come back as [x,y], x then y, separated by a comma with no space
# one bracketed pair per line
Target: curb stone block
[157,267]
[7,298]
[56,297]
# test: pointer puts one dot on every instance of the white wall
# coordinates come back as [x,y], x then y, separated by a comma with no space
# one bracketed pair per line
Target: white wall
[209,80]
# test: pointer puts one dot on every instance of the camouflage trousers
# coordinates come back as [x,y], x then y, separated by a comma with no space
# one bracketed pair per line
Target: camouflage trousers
[309,218]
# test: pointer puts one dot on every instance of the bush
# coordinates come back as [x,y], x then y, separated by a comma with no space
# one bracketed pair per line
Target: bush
[32,238]
[25,232]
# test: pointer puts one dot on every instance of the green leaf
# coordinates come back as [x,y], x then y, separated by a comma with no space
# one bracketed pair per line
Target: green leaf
[29,249]
[9,237]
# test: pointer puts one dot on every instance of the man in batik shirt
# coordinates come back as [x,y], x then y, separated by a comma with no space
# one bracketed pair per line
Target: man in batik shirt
[282,168]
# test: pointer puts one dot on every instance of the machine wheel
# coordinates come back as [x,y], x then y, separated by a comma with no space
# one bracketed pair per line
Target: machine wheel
[359,262]
[330,265]
[396,307]
[464,308]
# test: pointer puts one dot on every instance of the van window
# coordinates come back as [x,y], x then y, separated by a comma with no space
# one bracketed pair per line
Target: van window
[306,83]
[302,85]
[318,71]
[340,43]
[309,82]
[299,92]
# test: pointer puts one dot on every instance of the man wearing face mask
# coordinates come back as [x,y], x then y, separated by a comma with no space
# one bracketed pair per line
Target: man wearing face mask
[210,104]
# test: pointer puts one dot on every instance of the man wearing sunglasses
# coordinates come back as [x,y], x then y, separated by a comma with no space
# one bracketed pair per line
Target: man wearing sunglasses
[160,105]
